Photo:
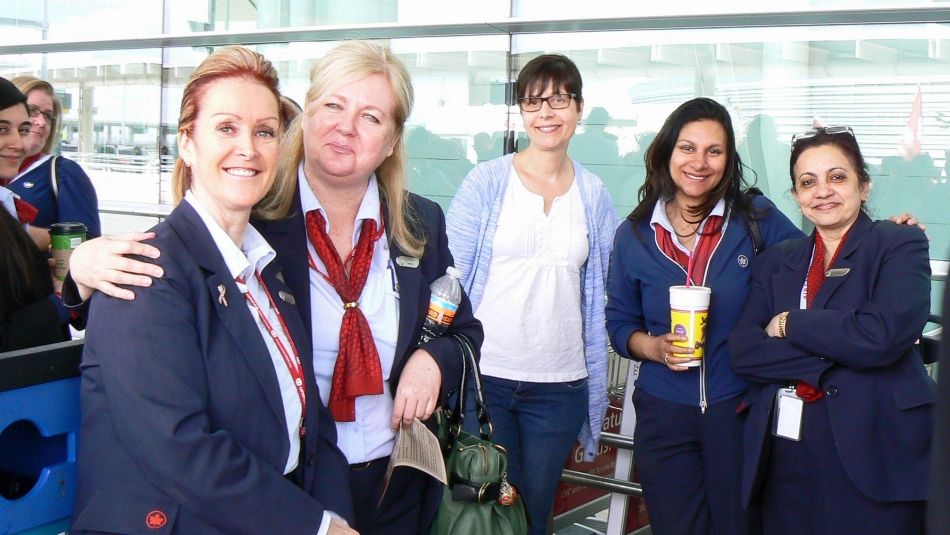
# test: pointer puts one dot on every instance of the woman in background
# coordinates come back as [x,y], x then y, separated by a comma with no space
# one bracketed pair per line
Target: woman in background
[56,186]
[531,234]
[827,339]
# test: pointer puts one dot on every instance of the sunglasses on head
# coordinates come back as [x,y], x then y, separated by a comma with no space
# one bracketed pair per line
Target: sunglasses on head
[830,130]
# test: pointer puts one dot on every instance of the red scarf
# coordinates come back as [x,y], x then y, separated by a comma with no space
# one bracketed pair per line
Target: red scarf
[357,371]
[25,212]
[815,279]
[706,243]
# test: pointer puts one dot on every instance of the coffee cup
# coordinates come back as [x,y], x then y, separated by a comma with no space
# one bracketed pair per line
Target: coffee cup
[689,311]
[64,237]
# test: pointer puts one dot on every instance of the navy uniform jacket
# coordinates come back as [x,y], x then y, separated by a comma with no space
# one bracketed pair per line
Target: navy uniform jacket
[75,202]
[289,238]
[938,513]
[857,343]
[183,427]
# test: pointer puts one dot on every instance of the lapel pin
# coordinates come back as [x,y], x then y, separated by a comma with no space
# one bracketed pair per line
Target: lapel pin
[407,261]
[221,295]
[287,297]
[280,277]
[837,272]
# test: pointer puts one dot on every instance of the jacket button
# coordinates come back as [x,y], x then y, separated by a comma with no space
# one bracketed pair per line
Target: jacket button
[832,391]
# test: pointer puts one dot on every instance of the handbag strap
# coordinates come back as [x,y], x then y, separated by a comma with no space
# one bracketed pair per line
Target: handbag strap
[54,179]
[470,365]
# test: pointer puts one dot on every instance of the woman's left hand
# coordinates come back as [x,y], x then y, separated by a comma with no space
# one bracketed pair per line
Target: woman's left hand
[418,392]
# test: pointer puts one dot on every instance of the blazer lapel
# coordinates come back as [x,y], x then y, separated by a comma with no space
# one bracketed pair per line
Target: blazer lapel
[229,304]
[792,276]
[410,282]
[857,233]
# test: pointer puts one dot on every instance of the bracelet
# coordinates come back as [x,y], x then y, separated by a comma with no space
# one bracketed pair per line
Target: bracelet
[782,318]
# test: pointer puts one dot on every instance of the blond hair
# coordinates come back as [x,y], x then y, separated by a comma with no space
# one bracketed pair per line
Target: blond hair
[26,84]
[347,63]
[228,62]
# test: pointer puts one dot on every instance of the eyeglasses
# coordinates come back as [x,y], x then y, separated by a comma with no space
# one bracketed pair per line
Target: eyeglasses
[556,102]
[48,115]
[830,130]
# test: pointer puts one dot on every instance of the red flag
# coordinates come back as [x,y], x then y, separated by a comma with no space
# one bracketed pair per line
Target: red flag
[909,145]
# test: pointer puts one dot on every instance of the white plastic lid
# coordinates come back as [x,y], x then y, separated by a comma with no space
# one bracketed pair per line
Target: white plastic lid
[691,297]
[453,272]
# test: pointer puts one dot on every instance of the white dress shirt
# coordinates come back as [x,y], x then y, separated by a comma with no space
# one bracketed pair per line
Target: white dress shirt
[369,437]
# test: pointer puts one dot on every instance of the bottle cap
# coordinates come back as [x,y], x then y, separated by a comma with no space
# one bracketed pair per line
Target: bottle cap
[453,272]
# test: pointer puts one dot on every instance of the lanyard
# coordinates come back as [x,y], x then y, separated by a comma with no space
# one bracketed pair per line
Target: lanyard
[292,361]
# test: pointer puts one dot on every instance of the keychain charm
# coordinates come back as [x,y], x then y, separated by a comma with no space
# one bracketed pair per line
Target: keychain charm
[506,492]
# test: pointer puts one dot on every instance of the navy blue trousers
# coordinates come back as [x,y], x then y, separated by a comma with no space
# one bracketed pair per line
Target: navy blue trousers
[806,490]
[690,467]
[401,510]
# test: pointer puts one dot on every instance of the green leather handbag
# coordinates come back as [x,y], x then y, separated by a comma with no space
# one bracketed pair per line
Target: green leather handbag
[478,499]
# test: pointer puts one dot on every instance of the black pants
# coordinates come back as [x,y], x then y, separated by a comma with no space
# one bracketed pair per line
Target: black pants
[401,510]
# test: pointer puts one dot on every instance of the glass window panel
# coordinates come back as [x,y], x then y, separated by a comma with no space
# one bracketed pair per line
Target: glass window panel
[775,82]
[111,117]
[561,9]
[36,20]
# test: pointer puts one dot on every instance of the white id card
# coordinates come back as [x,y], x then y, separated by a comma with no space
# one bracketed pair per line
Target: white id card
[788,415]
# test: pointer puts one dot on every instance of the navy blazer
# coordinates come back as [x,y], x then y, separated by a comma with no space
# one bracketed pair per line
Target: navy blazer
[183,427]
[289,238]
[857,343]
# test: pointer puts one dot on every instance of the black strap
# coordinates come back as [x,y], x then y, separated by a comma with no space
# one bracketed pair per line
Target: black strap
[758,244]
[467,491]
[470,365]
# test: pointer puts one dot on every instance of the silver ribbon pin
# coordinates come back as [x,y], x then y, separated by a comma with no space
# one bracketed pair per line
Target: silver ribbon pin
[837,272]
[407,261]
[280,277]
[221,298]
[287,297]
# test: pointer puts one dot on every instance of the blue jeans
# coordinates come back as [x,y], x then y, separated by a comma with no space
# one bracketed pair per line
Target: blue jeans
[538,424]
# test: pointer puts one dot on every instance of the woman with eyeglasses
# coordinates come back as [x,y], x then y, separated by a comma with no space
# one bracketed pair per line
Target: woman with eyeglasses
[56,186]
[691,227]
[531,234]
[838,434]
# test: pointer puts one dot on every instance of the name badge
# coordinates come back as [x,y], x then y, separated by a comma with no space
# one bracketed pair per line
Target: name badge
[788,415]
[837,272]
[287,297]
[407,261]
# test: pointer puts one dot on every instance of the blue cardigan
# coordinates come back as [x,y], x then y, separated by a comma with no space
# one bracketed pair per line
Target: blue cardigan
[638,299]
[471,223]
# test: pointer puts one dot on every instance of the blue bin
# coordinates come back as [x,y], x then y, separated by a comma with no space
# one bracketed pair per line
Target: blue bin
[39,427]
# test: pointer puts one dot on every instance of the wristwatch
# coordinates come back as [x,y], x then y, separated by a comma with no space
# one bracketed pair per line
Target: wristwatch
[782,318]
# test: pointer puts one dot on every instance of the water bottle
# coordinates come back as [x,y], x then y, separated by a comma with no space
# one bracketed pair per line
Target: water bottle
[443,303]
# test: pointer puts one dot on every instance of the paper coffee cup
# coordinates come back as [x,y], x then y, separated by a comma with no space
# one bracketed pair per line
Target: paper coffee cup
[64,237]
[689,310]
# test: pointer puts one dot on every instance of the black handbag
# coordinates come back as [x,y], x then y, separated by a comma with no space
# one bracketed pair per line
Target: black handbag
[478,497]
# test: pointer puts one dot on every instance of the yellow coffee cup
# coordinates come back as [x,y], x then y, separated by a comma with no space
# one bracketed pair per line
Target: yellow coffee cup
[689,312]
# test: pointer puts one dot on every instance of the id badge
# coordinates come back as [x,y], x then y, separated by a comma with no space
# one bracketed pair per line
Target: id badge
[788,415]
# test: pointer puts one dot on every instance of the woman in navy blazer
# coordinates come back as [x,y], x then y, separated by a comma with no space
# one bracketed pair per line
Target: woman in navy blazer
[200,414]
[344,159]
[838,435]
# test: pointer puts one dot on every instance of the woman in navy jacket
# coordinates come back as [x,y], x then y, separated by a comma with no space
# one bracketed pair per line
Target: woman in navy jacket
[838,435]
[200,414]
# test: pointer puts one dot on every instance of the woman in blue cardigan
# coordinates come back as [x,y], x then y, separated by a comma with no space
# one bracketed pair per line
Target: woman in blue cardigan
[841,407]
[531,234]
[693,217]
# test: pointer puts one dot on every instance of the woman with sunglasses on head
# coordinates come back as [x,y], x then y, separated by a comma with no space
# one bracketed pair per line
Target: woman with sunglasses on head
[200,414]
[56,186]
[693,220]
[838,434]
[531,234]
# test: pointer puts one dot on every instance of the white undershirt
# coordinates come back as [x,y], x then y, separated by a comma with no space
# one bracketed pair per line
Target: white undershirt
[369,437]
[531,306]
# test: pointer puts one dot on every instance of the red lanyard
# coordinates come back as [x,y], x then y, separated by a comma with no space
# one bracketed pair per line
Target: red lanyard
[292,361]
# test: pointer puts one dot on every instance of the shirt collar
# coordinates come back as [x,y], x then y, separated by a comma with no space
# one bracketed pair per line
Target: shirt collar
[6,200]
[369,206]
[253,255]
[660,218]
